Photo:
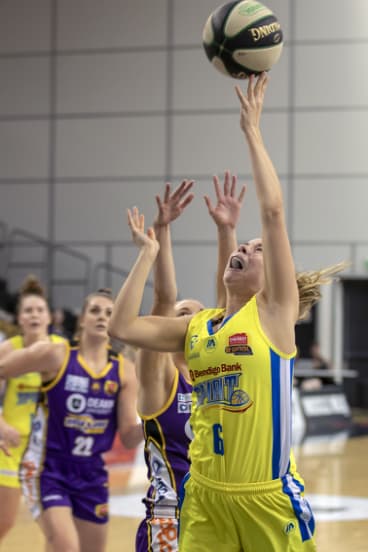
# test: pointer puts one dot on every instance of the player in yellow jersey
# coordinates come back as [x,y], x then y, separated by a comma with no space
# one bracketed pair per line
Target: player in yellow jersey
[20,398]
[165,390]
[242,493]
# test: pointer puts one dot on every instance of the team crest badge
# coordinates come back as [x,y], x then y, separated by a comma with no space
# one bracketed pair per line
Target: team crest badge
[101,510]
[111,387]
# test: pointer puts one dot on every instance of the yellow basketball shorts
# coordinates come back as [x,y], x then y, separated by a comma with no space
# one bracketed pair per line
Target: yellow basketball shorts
[9,465]
[263,517]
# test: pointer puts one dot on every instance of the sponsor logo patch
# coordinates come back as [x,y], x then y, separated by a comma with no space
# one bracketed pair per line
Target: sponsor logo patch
[238,345]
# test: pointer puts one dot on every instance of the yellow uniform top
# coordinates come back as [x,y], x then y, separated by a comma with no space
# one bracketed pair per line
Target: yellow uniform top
[22,393]
[241,412]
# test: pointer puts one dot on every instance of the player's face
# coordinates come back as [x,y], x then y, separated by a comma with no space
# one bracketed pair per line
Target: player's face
[34,315]
[96,317]
[187,307]
[245,265]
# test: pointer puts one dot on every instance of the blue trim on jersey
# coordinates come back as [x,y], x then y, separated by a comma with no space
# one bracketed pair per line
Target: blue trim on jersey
[276,421]
[181,497]
[303,512]
[226,319]
[210,323]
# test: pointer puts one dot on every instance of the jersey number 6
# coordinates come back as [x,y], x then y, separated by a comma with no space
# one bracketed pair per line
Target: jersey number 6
[218,442]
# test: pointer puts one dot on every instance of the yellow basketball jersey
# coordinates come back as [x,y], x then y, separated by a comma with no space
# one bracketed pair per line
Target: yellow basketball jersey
[241,411]
[22,393]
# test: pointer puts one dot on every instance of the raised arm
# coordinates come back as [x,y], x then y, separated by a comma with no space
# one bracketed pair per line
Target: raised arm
[225,214]
[280,292]
[169,209]
[155,369]
[147,332]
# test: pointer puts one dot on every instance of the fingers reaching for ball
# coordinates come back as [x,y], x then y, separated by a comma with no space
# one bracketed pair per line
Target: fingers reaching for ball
[251,101]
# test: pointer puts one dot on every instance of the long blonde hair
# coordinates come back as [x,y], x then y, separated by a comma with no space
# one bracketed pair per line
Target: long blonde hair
[310,282]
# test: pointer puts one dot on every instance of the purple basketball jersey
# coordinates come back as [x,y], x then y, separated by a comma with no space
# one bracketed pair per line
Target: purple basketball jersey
[167,439]
[82,408]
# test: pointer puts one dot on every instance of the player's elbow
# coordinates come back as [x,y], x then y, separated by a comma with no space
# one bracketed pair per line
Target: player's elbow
[115,331]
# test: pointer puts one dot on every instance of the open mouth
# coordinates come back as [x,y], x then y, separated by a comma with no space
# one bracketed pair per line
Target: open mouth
[236,263]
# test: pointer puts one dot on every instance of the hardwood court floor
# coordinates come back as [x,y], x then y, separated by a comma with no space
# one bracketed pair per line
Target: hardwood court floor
[334,468]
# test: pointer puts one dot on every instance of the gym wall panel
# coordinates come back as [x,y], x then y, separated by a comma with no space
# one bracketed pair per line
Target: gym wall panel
[107,147]
[24,149]
[118,82]
[25,25]
[88,24]
[208,144]
[196,272]
[25,86]
[25,206]
[329,144]
[335,68]
[315,257]
[124,255]
[330,209]
[331,20]
[79,219]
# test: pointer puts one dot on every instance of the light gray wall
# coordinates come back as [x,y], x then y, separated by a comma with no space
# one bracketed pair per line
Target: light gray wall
[101,102]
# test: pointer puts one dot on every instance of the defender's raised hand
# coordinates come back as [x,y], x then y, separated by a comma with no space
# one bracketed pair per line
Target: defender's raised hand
[226,212]
[173,203]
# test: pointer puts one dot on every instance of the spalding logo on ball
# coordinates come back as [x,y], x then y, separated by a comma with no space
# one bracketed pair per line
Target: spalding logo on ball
[242,38]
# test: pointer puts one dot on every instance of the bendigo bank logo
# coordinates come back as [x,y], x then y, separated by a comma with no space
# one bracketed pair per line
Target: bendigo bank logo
[238,345]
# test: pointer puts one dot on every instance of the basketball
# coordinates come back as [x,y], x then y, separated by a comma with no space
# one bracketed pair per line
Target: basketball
[242,38]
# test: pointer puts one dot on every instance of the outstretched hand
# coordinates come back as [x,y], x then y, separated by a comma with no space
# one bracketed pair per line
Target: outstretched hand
[227,210]
[173,204]
[251,103]
[141,238]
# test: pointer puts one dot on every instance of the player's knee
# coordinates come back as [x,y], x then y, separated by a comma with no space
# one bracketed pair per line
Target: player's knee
[60,542]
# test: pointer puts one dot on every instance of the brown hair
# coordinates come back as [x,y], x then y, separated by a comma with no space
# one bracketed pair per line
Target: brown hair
[101,292]
[31,286]
[309,284]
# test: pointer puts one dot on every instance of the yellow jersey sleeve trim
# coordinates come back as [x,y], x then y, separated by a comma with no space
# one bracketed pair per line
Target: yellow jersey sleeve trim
[168,402]
[61,371]
[254,307]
